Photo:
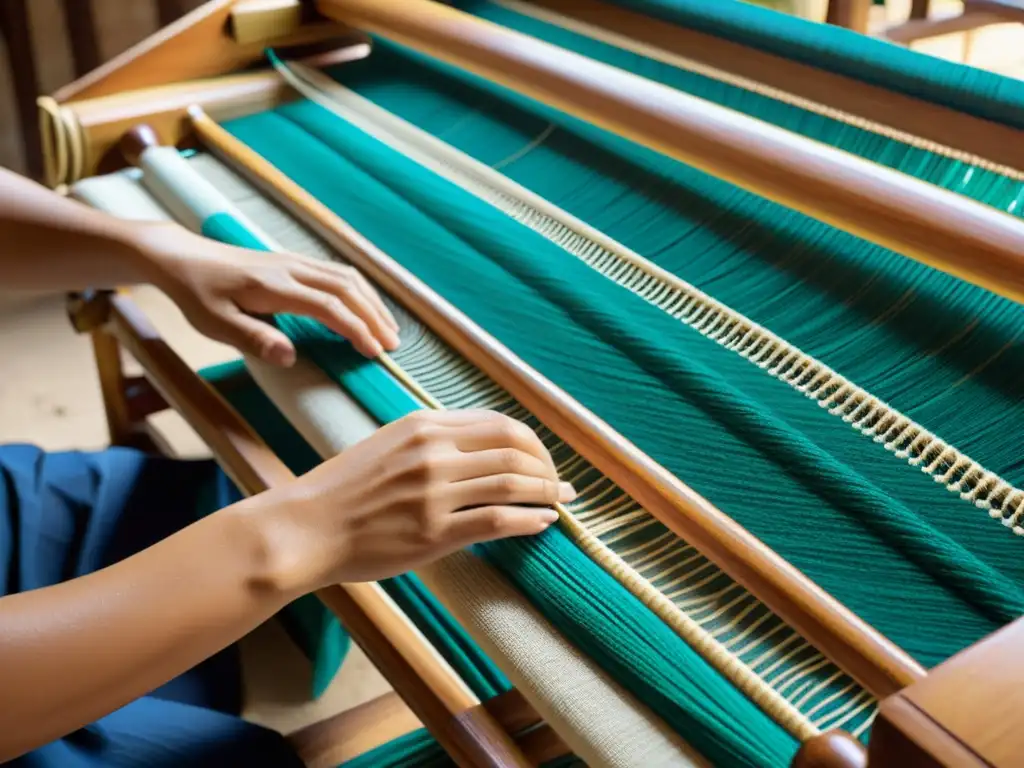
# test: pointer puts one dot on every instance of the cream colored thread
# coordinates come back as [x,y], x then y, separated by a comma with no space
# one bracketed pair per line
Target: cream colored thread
[865,413]
[753,86]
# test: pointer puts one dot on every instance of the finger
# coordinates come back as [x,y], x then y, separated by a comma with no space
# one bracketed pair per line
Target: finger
[346,272]
[499,461]
[355,300]
[254,337]
[300,299]
[496,522]
[498,431]
[509,489]
[374,296]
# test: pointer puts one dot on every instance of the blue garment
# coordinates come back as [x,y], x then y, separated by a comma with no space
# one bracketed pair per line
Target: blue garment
[63,515]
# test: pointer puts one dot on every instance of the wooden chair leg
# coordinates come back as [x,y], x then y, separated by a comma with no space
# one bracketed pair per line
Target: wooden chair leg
[852,14]
[109,364]
[170,10]
[15,29]
[919,9]
[81,24]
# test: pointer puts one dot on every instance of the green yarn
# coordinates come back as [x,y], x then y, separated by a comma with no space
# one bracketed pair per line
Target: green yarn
[701,395]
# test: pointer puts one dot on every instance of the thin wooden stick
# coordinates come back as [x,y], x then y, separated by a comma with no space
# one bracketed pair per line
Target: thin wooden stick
[438,697]
[855,647]
[924,222]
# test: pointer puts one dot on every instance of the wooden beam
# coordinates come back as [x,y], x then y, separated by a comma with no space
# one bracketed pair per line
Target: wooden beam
[261,20]
[197,45]
[844,97]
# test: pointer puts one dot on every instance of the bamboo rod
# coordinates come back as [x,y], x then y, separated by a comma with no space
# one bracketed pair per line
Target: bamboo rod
[871,659]
[934,226]
[433,691]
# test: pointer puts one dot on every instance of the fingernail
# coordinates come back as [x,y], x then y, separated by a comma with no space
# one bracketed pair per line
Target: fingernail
[375,349]
[393,340]
[284,356]
[549,516]
[566,492]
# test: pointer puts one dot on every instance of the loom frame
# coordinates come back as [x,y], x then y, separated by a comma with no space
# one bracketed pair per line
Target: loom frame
[923,724]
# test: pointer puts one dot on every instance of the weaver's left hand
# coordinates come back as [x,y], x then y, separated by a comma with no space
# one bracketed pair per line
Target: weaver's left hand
[220,287]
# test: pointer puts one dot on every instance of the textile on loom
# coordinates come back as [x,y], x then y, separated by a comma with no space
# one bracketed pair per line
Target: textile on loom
[796,376]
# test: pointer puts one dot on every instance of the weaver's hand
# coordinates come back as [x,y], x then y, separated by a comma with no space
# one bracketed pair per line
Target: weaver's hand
[417,490]
[220,288]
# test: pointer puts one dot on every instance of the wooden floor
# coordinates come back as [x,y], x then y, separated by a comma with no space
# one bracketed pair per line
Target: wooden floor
[49,395]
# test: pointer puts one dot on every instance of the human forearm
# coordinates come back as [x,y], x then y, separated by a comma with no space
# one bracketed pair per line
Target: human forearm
[74,652]
[48,242]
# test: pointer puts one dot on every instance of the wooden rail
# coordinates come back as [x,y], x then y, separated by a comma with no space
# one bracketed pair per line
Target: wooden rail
[855,647]
[931,225]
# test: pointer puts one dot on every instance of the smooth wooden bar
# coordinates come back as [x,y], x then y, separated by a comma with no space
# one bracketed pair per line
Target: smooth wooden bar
[866,655]
[257,21]
[937,227]
[354,732]
[196,45]
[427,684]
[676,45]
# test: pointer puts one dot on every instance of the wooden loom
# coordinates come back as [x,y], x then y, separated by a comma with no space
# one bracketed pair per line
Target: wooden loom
[182,79]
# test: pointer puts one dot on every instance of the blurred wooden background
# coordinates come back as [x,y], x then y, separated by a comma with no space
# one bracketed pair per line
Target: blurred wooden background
[95,30]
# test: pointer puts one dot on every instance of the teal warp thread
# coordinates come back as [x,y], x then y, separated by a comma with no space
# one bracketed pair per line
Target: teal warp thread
[451,267]
[728,729]
[417,749]
[476,222]
[946,358]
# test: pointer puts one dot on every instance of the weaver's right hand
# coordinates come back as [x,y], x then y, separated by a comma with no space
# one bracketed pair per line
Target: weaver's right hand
[418,489]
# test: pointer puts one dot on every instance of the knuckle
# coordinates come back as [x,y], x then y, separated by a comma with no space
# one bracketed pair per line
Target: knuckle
[507,485]
[551,492]
[513,461]
[495,520]
[422,433]
[431,532]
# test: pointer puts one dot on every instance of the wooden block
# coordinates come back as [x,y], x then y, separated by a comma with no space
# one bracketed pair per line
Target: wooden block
[256,21]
